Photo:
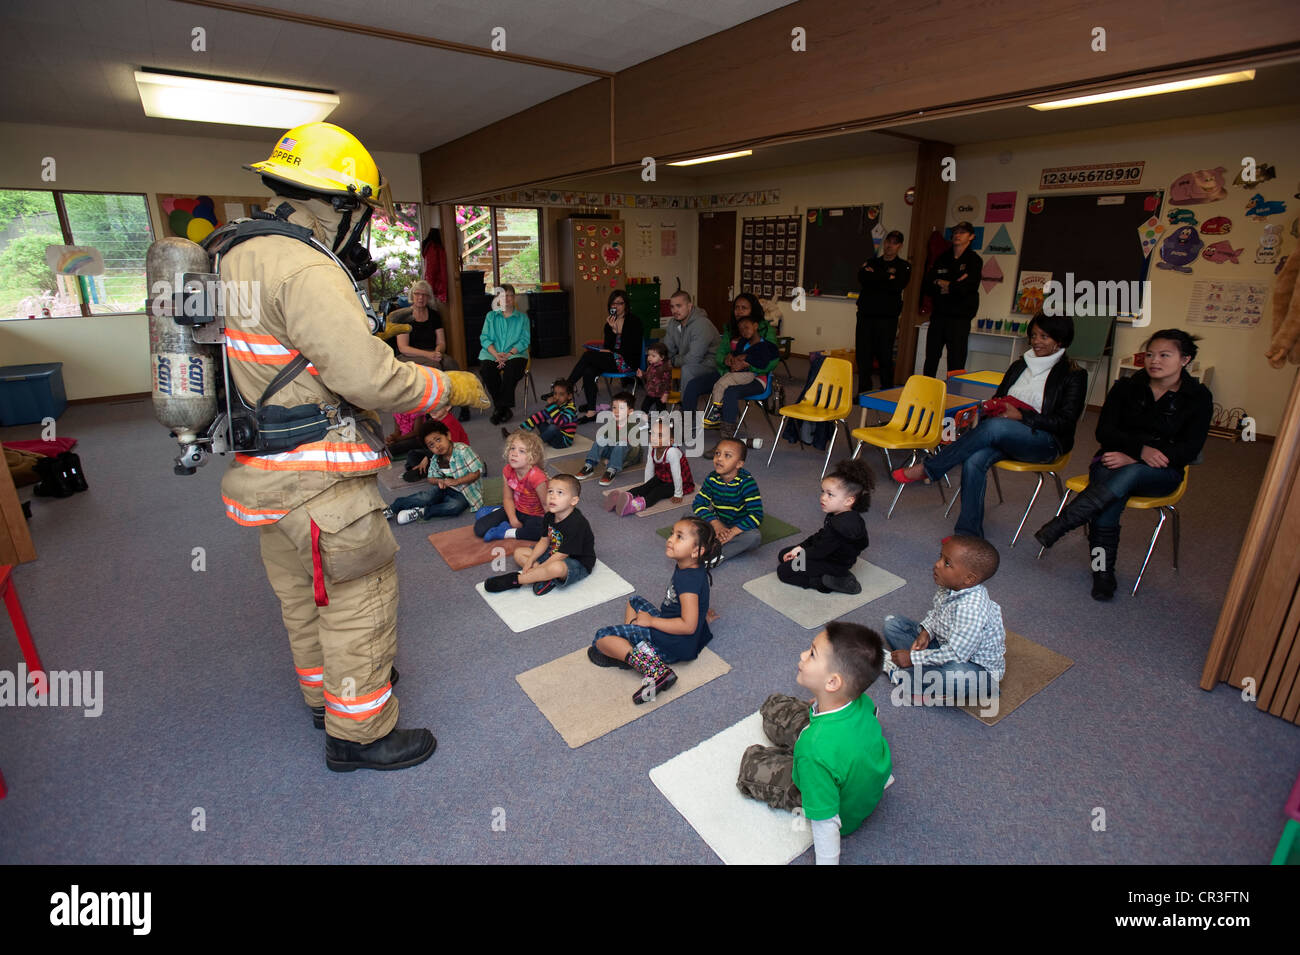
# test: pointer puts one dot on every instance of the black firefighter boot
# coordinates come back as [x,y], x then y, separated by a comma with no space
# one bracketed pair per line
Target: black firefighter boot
[1105,540]
[55,481]
[71,465]
[1078,512]
[398,750]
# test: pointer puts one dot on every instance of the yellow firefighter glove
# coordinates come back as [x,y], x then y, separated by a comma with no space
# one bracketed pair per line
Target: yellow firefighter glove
[467,390]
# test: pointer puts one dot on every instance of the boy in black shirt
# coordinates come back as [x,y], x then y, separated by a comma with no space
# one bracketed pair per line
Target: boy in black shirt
[953,285]
[883,278]
[565,555]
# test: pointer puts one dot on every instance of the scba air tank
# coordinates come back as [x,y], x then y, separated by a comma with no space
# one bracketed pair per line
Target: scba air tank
[185,372]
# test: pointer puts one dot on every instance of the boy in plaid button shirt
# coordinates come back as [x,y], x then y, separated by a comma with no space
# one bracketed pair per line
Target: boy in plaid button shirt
[962,638]
[455,475]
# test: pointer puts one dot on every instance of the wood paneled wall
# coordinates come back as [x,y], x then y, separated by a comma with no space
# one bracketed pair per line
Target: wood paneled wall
[929,212]
[864,63]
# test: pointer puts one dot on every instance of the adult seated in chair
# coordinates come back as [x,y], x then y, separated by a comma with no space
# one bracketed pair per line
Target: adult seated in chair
[504,358]
[1153,424]
[1053,387]
[751,355]
[690,338]
[742,306]
[426,343]
[620,353]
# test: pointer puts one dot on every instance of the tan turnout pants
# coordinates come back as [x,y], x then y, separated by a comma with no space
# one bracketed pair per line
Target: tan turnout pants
[344,651]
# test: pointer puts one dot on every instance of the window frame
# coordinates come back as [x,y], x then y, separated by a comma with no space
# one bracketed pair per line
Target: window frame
[496,243]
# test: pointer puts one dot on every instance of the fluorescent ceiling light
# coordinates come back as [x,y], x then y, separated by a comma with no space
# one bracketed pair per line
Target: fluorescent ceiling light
[696,162]
[203,100]
[1221,79]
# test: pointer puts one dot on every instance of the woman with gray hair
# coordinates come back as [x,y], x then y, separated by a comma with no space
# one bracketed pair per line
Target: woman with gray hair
[425,343]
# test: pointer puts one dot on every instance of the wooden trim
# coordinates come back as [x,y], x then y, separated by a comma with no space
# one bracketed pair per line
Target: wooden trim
[109,399]
[398,36]
[929,212]
[453,322]
[16,545]
[1257,545]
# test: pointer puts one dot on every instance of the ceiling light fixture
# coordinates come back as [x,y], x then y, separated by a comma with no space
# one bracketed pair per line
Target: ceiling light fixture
[1221,79]
[202,99]
[719,156]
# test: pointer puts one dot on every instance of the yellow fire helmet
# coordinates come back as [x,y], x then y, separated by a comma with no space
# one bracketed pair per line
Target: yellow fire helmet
[324,158]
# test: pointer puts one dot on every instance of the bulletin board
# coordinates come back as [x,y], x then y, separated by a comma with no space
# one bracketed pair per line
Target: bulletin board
[1095,236]
[193,216]
[839,241]
[769,255]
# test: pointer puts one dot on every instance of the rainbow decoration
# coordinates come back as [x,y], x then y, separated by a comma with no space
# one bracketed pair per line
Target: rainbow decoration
[74,260]
[192,218]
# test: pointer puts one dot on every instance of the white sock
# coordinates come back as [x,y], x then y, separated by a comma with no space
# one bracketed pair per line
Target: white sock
[510,534]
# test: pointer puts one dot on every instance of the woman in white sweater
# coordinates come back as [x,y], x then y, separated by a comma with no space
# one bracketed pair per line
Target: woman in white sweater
[1051,386]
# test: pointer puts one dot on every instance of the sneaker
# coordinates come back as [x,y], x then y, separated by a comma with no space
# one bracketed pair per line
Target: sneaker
[842,585]
[501,583]
[614,500]
[598,658]
[545,586]
[608,478]
[388,514]
[408,516]
[651,688]
[483,512]
[631,506]
[497,533]
[712,416]
[587,471]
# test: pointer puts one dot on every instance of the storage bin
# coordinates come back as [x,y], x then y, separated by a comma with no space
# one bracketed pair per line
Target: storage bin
[31,393]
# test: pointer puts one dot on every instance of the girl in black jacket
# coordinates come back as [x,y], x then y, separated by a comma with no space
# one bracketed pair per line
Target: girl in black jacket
[1152,426]
[1044,378]
[620,352]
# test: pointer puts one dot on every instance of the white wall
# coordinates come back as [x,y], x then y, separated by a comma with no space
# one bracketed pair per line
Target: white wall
[109,355]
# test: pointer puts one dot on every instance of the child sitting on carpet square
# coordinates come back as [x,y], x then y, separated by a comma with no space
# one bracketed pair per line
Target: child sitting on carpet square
[619,440]
[667,475]
[830,761]
[520,512]
[728,500]
[825,560]
[961,644]
[652,637]
[566,555]
[455,475]
[556,423]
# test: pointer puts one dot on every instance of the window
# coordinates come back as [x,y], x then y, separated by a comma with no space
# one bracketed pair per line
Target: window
[503,243]
[115,224]
[395,248]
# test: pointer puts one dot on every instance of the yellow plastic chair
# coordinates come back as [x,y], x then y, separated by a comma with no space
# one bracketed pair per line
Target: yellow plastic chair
[917,425]
[829,399]
[1053,468]
[1166,505]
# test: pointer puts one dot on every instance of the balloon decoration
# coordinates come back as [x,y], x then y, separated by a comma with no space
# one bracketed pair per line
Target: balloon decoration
[191,218]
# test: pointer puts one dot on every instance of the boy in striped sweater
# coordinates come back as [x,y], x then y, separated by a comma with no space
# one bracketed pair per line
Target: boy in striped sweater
[728,500]
[557,423]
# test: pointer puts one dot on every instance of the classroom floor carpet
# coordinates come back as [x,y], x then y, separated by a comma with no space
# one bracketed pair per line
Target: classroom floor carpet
[201,705]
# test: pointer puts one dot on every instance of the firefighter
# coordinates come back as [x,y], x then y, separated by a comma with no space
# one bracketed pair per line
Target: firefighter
[326,546]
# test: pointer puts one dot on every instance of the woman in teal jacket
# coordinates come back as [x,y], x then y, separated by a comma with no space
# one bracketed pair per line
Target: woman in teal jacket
[505,340]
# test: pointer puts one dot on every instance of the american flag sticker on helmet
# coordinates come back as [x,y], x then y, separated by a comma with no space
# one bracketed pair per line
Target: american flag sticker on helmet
[288,143]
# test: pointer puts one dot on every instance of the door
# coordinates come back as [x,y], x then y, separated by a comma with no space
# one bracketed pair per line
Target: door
[717,265]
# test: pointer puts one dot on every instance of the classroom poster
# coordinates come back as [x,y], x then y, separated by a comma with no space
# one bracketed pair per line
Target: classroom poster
[667,241]
[769,260]
[1227,304]
[1000,207]
[1031,291]
[645,237]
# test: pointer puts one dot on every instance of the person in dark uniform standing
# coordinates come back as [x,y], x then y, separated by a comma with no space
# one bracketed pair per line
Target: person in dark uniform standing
[883,278]
[953,284]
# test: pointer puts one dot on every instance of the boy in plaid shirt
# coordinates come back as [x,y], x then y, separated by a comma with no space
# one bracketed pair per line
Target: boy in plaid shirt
[455,478]
[962,638]
[557,423]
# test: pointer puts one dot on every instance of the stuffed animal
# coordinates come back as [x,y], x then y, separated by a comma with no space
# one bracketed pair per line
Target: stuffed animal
[1198,188]
[1222,251]
[1180,249]
[1219,225]
[1262,208]
[1269,242]
[1182,217]
[1285,345]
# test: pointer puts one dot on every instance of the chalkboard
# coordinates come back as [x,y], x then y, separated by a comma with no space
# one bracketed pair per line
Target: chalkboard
[837,240]
[1095,237]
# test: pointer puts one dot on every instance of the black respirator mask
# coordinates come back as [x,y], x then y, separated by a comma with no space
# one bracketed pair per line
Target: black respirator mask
[348,246]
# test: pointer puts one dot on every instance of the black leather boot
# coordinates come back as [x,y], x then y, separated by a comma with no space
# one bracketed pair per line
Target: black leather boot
[1078,512]
[1103,580]
[54,482]
[71,465]
[400,749]
[318,712]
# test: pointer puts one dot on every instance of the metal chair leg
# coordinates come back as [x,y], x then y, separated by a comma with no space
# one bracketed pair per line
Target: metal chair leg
[953,501]
[1059,508]
[775,441]
[1029,507]
[1177,533]
[997,483]
[1155,535]
[830,447]
[897,495]
[741,420]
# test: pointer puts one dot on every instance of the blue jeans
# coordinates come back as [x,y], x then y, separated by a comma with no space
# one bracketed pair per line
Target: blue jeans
[732,397]
[1131,479]
[899,634]
[553,436]
[993,440]
[433,502]
[698,386]
[615,452]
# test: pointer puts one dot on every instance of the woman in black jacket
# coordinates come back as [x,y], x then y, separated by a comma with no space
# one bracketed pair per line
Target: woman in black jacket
[621,352]
[1151,427]
[1043,378]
